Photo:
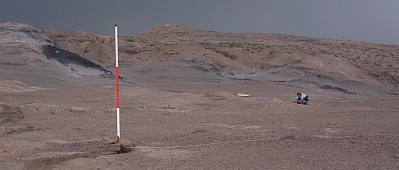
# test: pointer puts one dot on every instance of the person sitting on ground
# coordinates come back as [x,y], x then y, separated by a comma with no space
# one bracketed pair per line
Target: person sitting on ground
[302,98]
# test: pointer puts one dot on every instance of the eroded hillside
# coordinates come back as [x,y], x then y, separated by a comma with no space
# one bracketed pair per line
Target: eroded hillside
[243,52]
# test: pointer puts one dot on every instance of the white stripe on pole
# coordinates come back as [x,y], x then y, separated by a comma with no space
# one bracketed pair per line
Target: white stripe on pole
[118,124]
[116,45]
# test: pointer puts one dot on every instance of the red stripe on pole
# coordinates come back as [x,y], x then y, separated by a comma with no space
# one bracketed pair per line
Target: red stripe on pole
[117,86]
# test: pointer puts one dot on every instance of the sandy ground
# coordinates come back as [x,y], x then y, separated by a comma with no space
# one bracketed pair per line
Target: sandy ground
[194,126]
[180,113]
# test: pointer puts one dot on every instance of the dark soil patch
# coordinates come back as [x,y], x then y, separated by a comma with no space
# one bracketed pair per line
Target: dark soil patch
[9,113]
[328,87]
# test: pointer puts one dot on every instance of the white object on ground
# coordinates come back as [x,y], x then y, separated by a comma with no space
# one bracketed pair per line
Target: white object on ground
[243,94]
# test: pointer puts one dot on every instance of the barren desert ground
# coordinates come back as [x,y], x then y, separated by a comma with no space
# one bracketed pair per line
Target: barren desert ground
[179,106]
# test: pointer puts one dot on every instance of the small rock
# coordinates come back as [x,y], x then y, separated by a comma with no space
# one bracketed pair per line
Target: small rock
[125,142]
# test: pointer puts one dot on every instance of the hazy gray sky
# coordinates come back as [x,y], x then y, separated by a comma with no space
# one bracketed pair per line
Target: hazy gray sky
[374,21]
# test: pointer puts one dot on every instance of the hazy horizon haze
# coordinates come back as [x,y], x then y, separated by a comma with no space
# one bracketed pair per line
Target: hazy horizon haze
[360,20]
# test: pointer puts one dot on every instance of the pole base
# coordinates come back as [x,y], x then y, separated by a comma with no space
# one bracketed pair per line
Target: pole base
[119,146]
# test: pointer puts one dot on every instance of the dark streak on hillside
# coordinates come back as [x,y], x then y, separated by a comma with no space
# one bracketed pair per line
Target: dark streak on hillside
[65,57]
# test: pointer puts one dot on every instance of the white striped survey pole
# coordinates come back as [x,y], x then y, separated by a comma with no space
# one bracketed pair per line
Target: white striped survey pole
[118,123]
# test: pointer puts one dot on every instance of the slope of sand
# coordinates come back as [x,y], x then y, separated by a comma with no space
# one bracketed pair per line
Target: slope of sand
[178,102]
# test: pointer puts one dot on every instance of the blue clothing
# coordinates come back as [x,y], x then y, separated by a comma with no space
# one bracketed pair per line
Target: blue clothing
[302,101]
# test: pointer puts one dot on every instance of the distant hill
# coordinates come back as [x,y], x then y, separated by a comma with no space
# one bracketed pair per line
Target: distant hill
[235,52]
[232,55]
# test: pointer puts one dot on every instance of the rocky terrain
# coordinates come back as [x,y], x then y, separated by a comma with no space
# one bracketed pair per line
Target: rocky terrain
[179,105]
